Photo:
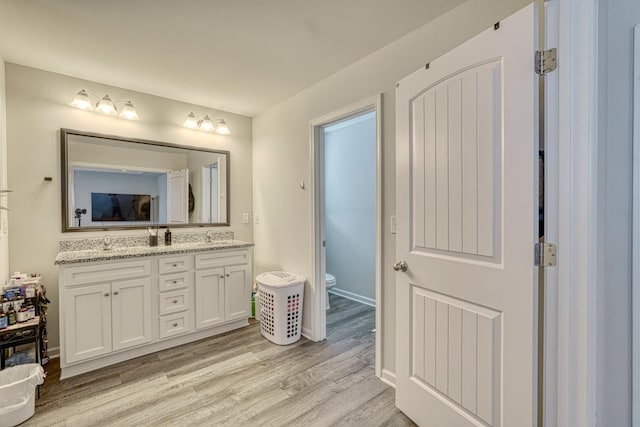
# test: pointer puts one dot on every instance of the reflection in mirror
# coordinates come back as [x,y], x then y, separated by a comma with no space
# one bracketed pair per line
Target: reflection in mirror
[113,182]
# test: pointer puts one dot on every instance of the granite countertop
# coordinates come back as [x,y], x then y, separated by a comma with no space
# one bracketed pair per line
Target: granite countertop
[90,255]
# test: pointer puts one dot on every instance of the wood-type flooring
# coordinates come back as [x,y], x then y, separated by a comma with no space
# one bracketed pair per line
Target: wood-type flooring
[234,379]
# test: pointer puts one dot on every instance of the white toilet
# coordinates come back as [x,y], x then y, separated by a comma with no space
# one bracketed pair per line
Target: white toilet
[330,281]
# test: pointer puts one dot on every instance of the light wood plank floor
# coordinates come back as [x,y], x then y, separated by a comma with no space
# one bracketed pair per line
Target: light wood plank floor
[237,378]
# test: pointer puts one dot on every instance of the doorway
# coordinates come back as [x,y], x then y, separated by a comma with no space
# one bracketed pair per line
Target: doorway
[349,208]
[339,224]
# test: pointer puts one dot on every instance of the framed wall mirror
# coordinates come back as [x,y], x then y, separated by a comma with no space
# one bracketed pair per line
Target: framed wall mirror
[115,183]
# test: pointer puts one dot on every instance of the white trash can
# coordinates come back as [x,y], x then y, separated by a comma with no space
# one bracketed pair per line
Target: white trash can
[17,393]
[281,296]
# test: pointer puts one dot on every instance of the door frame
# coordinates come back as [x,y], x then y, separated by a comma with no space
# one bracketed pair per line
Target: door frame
[572,364]
[635,263]
[318,330]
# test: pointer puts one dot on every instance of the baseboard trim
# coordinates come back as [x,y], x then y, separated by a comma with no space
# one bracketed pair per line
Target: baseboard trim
[353,296]
[53,352]
[306,332]
[388,378]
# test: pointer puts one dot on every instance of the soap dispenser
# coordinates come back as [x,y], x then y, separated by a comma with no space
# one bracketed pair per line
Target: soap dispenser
[167,237]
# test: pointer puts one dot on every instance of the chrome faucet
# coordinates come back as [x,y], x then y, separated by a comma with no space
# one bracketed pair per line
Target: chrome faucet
[106,243]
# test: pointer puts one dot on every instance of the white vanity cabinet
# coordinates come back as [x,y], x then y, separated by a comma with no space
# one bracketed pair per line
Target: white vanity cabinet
[115,310]
[223,287]
[209,297]
[103,312]
[237,292]
[175,295]
[87,323]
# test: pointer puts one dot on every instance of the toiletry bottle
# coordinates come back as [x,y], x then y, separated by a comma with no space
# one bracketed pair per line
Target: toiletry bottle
[167,237]
[23,315]
[4,321]
[11,315]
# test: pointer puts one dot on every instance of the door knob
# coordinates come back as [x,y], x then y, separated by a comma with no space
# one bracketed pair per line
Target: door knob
[400,266]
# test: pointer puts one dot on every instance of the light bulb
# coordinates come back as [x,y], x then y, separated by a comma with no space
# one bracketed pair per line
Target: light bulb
[207,124]
[222,128]
[191,122]
[82,101]
[105,106]
[129,112]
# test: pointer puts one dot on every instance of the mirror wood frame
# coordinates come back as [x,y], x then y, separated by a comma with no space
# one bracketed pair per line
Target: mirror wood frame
[64,169]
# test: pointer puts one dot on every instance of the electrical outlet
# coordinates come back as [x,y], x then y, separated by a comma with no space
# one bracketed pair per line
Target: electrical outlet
[394,224]
[245,218]
[256,218]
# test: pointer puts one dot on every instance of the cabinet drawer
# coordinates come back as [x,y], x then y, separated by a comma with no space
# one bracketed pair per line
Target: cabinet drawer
[106,272]
[221,259]
[174,302]
[171,282]
[175,324]
[174,264]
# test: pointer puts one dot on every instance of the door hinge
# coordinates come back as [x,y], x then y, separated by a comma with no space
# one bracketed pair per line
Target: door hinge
[545,254]
[546,61]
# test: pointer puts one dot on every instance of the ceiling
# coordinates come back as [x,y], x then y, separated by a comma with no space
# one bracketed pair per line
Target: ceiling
[241,56]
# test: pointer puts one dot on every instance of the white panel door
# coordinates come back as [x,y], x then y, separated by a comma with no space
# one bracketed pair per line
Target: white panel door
[466,136]
[237,292]
[178,197]
[209,297]
[131,313]
[87,314]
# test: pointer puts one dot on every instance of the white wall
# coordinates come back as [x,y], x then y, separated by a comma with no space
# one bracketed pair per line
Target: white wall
[281,147]
[350,204]
[82,149]
[38,106]
[616,21]
[4,199]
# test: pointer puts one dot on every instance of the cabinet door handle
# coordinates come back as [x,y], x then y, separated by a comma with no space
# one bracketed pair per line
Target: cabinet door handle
[106,294]
[175,301]
[116,293]
[228,274]
[175,325]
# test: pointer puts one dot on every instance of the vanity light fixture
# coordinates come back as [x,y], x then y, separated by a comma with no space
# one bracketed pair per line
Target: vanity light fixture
[207,124]
[222,128]
[105,105]
[129,112]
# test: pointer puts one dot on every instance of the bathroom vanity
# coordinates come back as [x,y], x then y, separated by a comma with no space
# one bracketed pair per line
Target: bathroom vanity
[129,301]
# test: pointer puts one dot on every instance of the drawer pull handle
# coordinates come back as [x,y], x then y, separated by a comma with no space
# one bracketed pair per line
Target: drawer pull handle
[175,325]
[106,294]
[175,265]
[116,293]
[228,274]
[175,301]
[175,282]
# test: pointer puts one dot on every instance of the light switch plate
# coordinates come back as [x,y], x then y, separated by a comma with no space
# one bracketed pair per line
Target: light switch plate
[245,218]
